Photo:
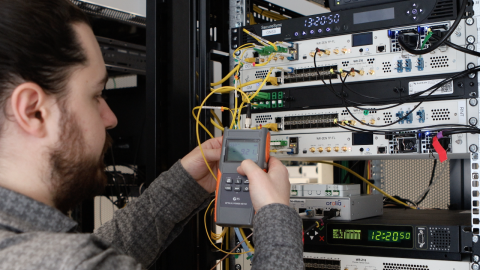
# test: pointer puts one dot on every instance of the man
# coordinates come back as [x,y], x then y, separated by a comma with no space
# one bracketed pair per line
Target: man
[53,123]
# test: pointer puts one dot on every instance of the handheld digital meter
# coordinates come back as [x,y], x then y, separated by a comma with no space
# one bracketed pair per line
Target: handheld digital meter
[233,206]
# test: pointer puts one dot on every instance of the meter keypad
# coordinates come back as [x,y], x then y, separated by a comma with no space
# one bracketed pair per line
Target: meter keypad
[238,184]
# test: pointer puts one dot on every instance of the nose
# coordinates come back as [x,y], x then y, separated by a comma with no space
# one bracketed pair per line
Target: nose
[109,119]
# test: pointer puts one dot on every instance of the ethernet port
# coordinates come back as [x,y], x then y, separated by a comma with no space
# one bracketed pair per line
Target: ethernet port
[293,144]
[318,211]
[381,150]
[380,49]
[302,210]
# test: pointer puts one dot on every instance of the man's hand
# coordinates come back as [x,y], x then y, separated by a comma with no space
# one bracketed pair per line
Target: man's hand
[196,167]
[267,188]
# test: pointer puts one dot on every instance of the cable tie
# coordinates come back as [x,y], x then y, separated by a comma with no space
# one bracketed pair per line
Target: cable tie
[253,63]
[442,154]
[440,134]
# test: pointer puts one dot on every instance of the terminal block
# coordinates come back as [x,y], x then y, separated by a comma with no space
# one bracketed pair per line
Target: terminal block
[262,105]
[262,96]
[267,50]
[279,143]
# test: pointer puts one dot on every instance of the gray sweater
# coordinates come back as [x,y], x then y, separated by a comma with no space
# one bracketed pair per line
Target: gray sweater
[36,236]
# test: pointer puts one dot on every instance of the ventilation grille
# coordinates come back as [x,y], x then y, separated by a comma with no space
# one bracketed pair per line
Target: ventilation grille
[387,117]
[371,60]
[265,118]
[261,74]
[399,266]
[345,63]
[104,12]
[443,10]
[317,264]
[440,114]
[387,67]
[440,239]
[439,62]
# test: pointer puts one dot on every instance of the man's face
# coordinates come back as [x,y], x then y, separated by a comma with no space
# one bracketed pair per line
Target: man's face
[77,158]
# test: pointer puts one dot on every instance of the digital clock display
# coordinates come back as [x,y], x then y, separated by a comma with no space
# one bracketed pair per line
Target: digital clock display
[322,20]
[387,236]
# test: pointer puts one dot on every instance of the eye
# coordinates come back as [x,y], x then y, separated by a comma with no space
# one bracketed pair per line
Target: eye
[101,95]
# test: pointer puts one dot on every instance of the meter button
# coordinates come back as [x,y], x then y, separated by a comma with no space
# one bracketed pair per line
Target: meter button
[246,189]
[228,180]
[228,188]
[238,181]
[237,188]
[246,181]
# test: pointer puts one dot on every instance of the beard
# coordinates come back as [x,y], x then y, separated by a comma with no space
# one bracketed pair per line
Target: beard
[75,175]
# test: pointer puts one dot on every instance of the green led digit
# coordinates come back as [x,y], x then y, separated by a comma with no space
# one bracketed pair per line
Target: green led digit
[387,238]
[373,235]
[407,236]
[395,236]
[402,235]
[379,234]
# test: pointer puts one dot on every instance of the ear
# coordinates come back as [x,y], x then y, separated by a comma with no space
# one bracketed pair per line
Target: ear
[29,108]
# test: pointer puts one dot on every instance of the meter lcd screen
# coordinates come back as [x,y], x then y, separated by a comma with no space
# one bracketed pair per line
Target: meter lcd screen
[239,150]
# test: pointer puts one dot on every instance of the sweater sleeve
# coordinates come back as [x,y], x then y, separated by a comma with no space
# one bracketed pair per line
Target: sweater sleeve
[278,239]
[151,222]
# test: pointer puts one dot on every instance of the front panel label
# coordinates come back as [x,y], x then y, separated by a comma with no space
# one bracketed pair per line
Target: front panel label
[419,86]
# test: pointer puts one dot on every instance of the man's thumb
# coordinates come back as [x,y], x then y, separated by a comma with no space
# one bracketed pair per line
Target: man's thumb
[249,167]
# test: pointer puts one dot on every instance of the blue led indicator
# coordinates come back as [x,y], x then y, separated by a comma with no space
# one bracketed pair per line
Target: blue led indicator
[328,29]
[319,30]
[312,32]
[296,34]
